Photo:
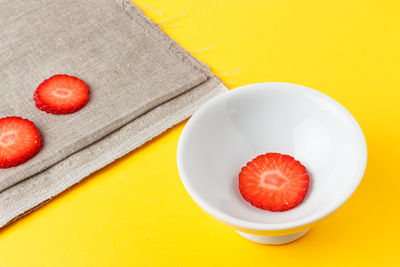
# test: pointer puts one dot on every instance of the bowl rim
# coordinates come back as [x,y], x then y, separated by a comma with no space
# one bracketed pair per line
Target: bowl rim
[268,226]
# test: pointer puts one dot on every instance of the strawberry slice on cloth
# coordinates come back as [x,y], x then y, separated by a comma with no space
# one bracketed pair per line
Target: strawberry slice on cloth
[20,141]
[61,94]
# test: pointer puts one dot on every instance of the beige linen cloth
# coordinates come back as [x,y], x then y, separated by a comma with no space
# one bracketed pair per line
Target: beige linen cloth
[141,83]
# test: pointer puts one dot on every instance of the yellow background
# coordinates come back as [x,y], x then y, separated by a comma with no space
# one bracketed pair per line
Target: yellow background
[136,212]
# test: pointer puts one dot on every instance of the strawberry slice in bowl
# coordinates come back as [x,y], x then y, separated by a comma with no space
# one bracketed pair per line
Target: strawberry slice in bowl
[20,141]
[231,129]
[61,94]
[274,182]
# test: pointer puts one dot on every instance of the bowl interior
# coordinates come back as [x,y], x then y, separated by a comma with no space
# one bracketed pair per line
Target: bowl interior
[234,128]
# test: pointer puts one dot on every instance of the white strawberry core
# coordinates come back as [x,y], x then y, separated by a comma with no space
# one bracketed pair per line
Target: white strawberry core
[8,138]
[62,92]
[273,179]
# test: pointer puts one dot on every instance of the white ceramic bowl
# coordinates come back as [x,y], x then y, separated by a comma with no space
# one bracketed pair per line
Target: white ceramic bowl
[232,129]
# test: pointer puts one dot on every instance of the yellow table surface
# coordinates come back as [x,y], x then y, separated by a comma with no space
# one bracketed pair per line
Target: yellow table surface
[136,211]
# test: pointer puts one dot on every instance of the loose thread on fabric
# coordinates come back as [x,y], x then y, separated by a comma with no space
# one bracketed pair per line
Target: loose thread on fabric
[163,23]
[201,50]
[235,72]
[148,7]
[167,26]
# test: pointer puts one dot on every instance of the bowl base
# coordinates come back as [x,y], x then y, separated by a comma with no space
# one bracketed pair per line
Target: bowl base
[273,240]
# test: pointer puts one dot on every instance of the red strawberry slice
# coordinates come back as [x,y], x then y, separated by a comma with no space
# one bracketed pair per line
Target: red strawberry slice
[20,140]
[274,182]
[61,94]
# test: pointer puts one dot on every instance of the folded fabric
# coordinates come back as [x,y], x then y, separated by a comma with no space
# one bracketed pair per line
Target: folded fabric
[141,83]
